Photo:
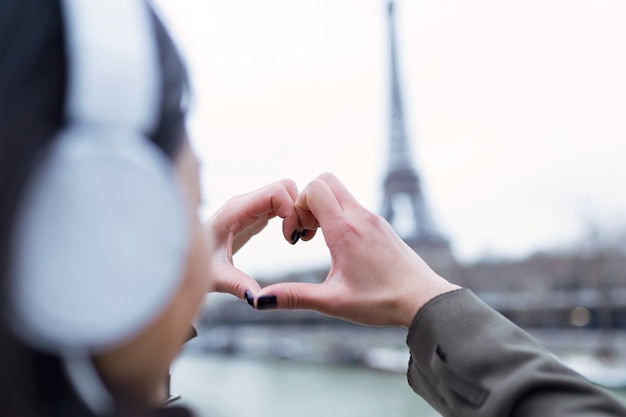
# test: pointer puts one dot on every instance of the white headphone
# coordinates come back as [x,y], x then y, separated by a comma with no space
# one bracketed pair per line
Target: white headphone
[102,236]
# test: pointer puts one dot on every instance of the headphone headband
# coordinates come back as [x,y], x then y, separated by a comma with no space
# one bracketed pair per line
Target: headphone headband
[125,91]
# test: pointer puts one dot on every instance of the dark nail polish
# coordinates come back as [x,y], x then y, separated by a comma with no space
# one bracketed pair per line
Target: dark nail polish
[304,232]
[295,236]
[249,298]
[192,333]
[266,302]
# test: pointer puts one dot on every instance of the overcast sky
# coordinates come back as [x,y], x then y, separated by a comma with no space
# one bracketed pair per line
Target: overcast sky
[516,111]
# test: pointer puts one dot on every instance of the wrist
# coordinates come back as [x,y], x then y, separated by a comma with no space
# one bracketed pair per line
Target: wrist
[424,294]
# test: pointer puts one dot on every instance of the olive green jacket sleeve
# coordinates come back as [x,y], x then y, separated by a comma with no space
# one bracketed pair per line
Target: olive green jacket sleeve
[468,360]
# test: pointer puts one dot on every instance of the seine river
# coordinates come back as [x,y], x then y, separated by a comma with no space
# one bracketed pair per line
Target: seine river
[232,386]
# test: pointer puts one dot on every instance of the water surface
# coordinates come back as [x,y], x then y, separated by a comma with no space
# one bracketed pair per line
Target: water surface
[231,386]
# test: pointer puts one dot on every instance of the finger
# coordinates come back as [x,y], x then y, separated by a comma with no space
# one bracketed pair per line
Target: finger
[283,206]
[274,199]
[309,224]
[308,234]
[243,237]
[318,200]
[294,295]
[343,195]
[307,219]
[230,280]
[251,210]
[291,188]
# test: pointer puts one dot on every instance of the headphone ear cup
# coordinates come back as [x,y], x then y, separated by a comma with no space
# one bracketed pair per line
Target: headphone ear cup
[102,240]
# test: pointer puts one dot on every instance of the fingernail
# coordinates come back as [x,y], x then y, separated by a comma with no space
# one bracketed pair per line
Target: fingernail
[304,232]
[249,298]
[295,236]
[266,302]
[192,333]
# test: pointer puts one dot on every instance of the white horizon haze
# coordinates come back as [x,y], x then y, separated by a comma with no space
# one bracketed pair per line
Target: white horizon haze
[516,112]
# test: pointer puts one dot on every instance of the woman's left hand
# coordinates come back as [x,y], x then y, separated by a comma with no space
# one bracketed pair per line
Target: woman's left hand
[237,221]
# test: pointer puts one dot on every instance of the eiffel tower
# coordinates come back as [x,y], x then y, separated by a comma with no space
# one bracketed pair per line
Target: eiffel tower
[404,205]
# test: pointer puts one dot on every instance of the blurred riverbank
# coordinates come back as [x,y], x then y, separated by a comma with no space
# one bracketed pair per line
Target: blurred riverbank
[379,348]
[383,348]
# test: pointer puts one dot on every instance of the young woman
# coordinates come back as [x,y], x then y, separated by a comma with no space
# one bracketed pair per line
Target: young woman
[104,261]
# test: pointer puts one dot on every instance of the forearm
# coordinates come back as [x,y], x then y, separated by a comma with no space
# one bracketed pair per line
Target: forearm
[466,359]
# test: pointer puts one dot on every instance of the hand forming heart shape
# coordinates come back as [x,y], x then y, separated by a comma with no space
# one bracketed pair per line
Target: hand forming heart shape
[375,278]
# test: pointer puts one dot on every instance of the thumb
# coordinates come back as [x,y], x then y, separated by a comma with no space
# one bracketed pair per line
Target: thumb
[294,295]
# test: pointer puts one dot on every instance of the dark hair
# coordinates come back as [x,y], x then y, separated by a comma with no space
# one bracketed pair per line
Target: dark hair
[33,78]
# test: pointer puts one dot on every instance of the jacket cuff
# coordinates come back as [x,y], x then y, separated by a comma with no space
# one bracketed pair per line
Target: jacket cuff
[446,320]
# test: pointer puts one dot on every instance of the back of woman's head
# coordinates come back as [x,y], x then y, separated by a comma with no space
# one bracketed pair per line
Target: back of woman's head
[33,84]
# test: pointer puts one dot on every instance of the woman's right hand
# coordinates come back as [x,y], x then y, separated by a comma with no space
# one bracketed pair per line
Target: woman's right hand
[375,278]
